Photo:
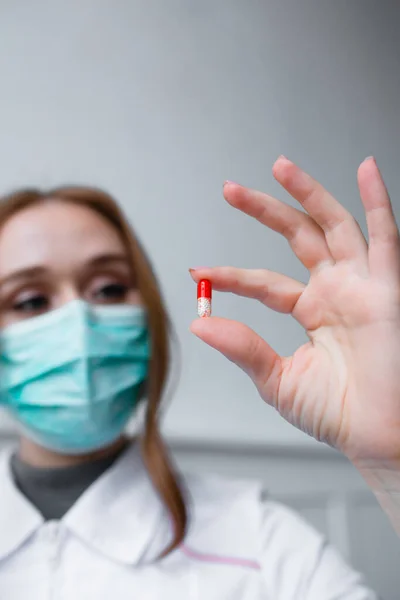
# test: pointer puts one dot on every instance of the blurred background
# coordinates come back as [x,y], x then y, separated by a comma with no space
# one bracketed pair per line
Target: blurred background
[160,102]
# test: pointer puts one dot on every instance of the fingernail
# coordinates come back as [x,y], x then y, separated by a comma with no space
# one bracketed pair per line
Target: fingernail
[228,182]
[197,269]
[370,158]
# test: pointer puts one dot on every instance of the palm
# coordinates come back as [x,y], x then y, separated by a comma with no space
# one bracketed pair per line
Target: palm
[343,386]
[329,387]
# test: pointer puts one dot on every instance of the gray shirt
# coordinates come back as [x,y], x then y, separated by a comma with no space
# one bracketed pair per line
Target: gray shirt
[54,490]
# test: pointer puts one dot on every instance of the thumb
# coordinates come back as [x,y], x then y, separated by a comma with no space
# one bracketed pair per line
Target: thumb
[244,347]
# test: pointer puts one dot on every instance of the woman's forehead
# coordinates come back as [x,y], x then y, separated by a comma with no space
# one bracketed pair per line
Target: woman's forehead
[55,232]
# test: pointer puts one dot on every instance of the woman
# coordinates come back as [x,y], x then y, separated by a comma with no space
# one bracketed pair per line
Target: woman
[86,512]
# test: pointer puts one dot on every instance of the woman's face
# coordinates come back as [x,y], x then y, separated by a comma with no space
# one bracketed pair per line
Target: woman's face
[55,252]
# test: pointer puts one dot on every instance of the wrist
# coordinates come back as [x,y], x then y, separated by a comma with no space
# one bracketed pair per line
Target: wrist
[383,478]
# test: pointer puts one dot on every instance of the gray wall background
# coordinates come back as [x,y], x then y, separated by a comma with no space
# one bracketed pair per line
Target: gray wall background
[159,102]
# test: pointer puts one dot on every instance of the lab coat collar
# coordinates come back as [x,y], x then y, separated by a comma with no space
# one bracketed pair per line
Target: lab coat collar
[19,519]
[119,515]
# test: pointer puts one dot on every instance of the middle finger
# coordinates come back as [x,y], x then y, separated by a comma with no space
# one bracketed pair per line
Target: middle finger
[342,232]
[305,237]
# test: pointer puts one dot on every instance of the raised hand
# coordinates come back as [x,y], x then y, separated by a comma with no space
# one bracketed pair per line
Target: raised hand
[343,386]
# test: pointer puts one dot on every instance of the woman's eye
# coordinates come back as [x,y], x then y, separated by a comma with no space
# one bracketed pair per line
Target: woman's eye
[33,304]
[114,292]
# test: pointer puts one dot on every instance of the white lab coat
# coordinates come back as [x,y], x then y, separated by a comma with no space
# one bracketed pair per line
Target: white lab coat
[237,548]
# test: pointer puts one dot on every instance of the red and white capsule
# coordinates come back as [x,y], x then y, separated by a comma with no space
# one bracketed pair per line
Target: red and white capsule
[204,293]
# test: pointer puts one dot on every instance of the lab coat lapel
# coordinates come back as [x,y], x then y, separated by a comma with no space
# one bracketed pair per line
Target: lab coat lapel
[19,519]
[120,514]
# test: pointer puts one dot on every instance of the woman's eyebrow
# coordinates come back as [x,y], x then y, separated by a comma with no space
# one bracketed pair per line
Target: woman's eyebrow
[37,271]
[28,273]
[111,257]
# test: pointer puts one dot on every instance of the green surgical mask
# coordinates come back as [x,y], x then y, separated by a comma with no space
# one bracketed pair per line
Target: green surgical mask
[71,378]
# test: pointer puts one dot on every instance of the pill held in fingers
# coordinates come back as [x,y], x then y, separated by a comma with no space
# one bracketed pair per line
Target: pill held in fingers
[204,293]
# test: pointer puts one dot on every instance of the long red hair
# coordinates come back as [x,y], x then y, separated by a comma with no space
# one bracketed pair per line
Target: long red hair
[155,454]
